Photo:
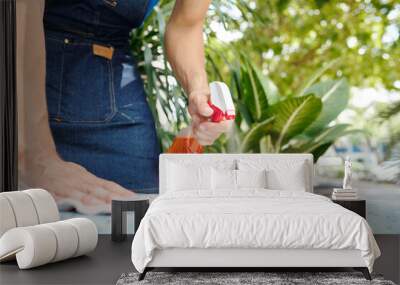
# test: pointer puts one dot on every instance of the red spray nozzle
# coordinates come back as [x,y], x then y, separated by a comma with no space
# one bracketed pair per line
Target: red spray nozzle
[223,109]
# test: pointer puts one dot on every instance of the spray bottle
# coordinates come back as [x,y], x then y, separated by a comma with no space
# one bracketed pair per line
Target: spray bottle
[223,109]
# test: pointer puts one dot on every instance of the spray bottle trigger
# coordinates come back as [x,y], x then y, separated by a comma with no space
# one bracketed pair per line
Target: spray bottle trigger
[217,115]
[221,102]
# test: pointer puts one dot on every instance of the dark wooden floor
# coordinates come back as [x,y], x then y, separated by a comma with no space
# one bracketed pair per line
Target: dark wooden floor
[110,260]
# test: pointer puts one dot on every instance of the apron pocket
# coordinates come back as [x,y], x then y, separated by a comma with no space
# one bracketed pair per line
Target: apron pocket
[87,86]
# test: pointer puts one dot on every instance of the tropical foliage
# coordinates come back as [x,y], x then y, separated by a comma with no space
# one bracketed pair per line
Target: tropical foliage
[296,111]
[296,122]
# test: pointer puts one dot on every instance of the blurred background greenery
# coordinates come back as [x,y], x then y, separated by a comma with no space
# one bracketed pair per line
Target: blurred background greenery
[307,76]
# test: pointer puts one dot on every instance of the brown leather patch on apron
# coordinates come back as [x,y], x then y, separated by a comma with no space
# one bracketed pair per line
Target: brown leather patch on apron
[103,51]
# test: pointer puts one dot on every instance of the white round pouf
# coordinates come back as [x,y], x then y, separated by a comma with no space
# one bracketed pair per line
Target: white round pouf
[67,239]
[87,234]
[23,208]
[7,218]
[33,246]
[31,233]
[45,205]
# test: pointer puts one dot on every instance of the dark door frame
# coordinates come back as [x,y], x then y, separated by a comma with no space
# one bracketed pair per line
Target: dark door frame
[8,98]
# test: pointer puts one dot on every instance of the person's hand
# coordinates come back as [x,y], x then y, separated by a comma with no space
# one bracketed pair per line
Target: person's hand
[204,131]
[70,180]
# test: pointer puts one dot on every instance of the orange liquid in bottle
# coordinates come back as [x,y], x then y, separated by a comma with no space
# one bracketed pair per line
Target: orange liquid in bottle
[185,145]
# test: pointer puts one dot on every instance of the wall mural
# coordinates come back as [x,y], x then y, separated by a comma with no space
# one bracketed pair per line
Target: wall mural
[112,94]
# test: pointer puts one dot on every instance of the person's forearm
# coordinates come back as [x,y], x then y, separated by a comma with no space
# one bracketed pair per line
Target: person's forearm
[34,129]
[184,45]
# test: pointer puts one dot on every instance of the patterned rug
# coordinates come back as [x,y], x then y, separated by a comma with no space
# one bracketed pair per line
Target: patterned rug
[243,278]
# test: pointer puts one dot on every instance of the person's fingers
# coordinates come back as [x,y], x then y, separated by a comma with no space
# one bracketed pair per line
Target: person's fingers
[204,139]
[207,132]
[89,200]
[58,194]
[107,190]
[218,128]
[117,189]
[71,180]
[196,121]
[100,188]
[201,105]
[56,197]
[203,133]
[204,142]
[85,198]
[94,189]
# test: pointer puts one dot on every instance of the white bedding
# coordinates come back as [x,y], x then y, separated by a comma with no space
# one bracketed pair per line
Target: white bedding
[251,218]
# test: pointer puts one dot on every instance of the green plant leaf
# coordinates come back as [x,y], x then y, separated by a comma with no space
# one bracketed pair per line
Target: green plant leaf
[293,116]
[266,86]
[335,96]
[251,92]
[251,139]
[327,135]
[316,76]
[258,90]
[245,92]
[148,58]
[390,111]
[266,145]
[234,140]
[320,150]
[318,144]
[244,113]
[331,133]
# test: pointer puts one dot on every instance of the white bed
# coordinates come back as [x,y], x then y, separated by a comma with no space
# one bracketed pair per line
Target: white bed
[195,223]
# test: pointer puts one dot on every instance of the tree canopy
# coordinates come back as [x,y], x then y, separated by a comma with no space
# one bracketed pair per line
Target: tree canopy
[288,45]
[292,39]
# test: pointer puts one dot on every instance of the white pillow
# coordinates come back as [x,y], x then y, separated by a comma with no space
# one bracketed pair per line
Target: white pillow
[284,174]
[223,179]
[251,178]
[291,179]
[188,177]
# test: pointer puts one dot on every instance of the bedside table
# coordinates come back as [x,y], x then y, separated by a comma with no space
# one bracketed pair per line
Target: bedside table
[119,212]
[357,206]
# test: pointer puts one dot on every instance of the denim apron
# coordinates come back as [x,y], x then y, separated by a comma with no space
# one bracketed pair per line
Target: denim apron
[98,113]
